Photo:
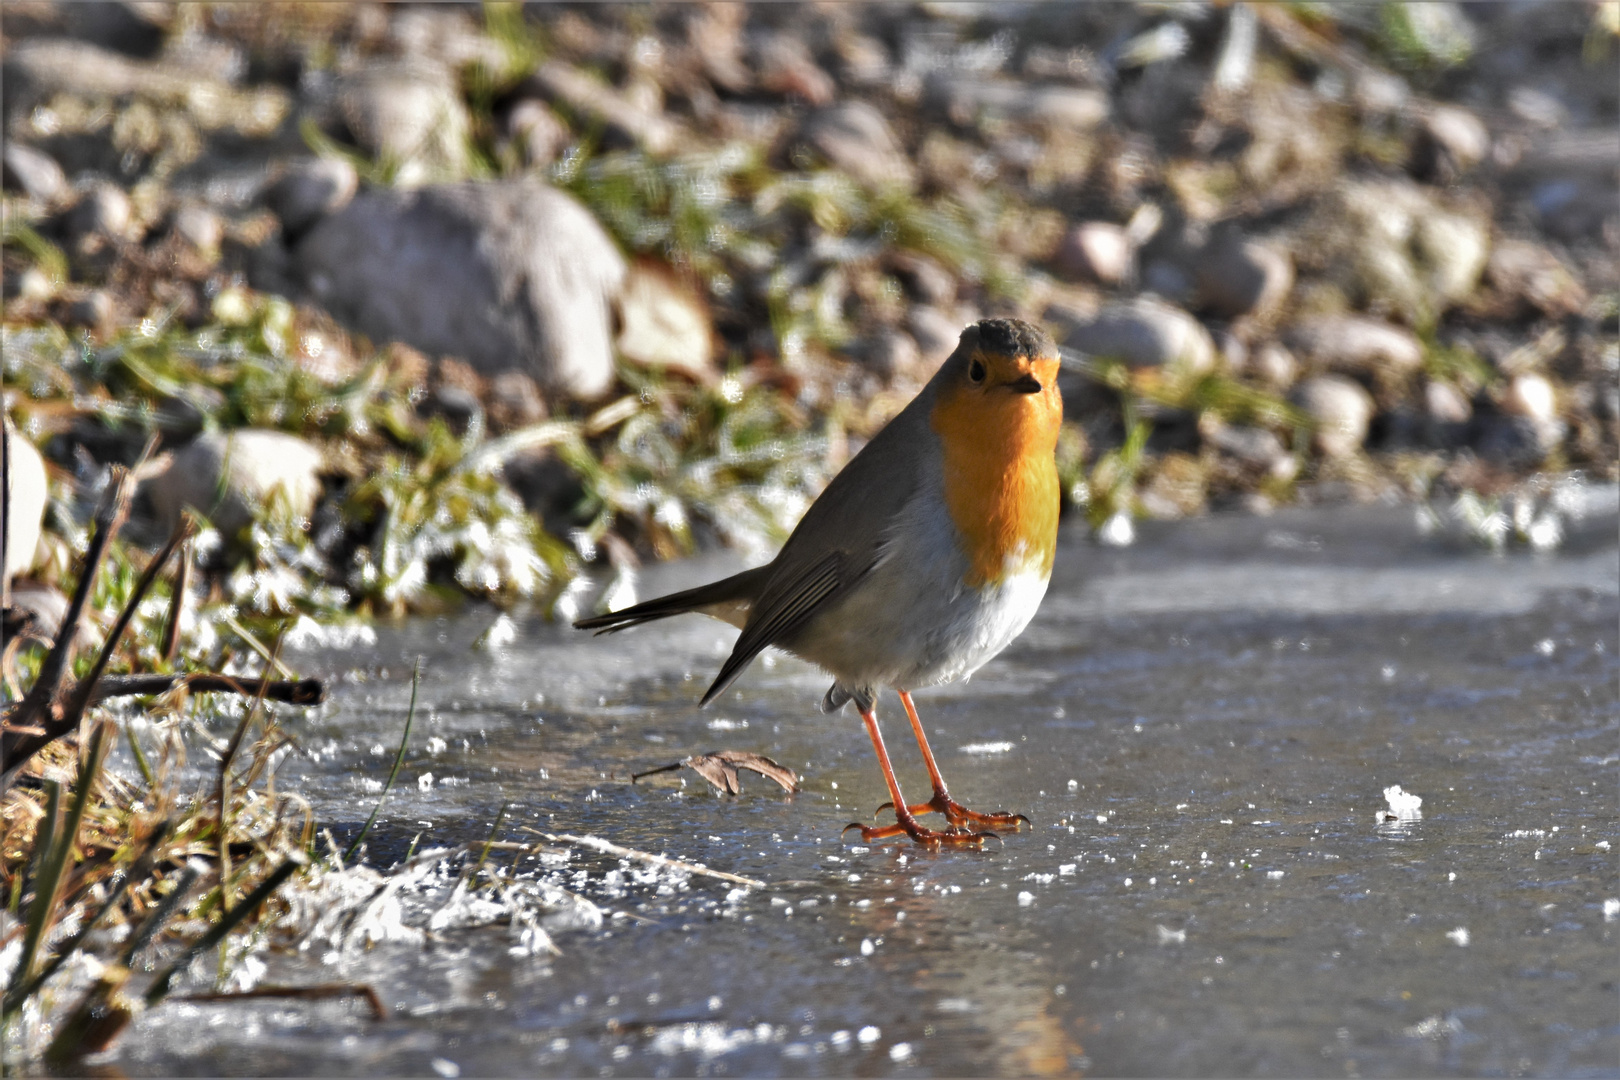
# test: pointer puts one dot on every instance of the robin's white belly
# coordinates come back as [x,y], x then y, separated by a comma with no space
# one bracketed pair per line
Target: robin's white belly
[913,622]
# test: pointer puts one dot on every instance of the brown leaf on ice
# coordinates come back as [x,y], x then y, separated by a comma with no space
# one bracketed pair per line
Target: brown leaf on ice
[720,769]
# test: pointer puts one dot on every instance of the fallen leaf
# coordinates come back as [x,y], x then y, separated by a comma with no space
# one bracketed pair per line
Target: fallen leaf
[720,769]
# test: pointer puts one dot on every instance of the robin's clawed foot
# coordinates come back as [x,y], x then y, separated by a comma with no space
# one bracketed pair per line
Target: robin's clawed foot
[959,815]
[931,838]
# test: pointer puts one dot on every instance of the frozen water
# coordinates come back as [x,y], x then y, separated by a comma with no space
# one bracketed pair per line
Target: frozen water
[1199,725]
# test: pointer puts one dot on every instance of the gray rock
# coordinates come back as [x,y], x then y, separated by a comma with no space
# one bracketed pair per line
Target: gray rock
[509,275]
[33,172]
[1063,108]
[1341,410]
[1255,447]
[1098,251]
[1354,343]
[102,211]
[1273,363]
[199,226]
[408,113]
[1238,277]
[309,189]
[231,478]
[856,138]
[1140,333]
[25,511]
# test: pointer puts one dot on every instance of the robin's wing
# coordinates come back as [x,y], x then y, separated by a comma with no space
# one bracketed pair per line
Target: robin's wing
[839,540]
[788,609]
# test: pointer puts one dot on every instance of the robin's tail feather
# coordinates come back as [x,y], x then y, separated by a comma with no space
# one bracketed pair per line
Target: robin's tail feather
[743,586]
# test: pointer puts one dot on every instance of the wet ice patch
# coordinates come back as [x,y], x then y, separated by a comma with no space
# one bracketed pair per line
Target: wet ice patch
[987,748]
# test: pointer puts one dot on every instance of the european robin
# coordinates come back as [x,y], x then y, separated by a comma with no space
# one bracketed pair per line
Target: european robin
[926,555]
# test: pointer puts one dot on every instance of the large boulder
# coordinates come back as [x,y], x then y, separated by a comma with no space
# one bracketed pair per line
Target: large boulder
[508,275]
[25,509]
[232,478]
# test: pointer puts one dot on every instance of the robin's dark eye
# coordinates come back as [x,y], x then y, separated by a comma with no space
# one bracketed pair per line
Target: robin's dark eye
[976,371]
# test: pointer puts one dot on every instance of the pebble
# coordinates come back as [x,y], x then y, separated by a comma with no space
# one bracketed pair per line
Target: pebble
[309,189]
[95,309]
[103,211]
[229,478]
[1341,409]
[1141,332]
[1528,276]
[33,172]
[1445,404]
[1355,343]
[856,138]
[1455,140]
[1097,251]
[510,275]
[199,226]
[1240,277]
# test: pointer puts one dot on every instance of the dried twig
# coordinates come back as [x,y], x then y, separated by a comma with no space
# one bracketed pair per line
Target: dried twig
[607,847]
[285,691]
[325,991]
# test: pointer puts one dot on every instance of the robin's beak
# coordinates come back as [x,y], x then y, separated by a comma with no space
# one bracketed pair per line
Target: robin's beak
[1028,384]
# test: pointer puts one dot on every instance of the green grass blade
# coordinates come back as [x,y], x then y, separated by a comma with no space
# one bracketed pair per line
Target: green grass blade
[399,759]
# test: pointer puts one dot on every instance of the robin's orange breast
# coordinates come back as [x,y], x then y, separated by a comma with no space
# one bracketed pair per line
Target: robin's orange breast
[1001,482]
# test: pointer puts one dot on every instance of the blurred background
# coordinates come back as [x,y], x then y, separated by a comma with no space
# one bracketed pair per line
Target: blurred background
[426,300]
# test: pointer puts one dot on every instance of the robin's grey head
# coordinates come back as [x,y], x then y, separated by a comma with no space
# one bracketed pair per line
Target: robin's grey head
[1002,355]
[1009,337]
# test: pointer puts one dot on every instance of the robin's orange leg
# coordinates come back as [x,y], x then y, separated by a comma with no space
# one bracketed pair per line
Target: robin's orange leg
[908,824]
[942,803]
